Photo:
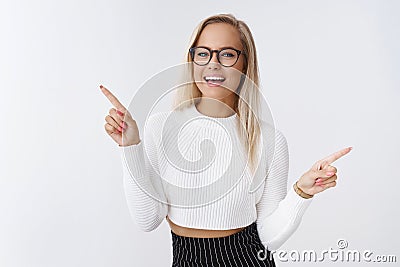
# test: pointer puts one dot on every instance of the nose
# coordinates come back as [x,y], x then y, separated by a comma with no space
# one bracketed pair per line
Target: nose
[214,60]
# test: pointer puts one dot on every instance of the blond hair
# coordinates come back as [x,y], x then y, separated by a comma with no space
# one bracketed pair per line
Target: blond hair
[249,95]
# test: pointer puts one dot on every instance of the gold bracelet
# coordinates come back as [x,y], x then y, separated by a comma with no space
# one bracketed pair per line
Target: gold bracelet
[300,192]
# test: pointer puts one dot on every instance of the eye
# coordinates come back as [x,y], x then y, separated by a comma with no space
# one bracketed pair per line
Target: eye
[202,54]
[227,54]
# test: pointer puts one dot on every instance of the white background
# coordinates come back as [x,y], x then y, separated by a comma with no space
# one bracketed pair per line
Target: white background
[329,69]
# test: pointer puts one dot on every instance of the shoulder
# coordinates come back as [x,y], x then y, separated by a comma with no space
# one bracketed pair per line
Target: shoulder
[163,124]
[153,125]
[272,135]
[167,120]
[155,120]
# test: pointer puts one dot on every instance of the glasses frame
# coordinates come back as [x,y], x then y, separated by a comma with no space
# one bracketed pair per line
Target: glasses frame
[192,49]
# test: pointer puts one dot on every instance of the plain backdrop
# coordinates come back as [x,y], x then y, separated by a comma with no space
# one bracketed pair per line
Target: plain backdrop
[329,69]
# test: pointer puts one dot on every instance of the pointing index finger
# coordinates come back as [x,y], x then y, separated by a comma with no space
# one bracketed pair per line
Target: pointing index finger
[335,156]
[112,99]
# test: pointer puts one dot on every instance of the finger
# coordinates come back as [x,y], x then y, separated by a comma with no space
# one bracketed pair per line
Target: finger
[331,184]
[120,113]
[113,123]
[119,119]
[112,99]
[123,116]
[335,156]
[328,171]
[330,168]
[323,181]
[111,129]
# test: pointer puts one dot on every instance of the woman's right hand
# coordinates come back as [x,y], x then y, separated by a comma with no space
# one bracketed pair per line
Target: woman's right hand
[120,125]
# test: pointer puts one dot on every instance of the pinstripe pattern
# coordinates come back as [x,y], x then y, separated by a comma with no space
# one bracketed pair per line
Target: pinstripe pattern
[239,249]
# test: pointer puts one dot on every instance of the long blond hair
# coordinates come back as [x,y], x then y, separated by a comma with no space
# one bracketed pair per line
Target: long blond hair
[249,95]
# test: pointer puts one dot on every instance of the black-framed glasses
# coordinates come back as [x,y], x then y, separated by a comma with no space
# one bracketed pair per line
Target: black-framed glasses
[227,56]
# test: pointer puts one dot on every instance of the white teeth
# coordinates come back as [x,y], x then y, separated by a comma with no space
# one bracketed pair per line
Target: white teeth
[214,78]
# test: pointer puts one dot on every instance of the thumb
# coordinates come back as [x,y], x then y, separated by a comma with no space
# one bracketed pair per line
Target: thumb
[327,172]
[319,165]
[125,116]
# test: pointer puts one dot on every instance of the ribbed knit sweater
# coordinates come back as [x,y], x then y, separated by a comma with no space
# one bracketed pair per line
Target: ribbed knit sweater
[193,168]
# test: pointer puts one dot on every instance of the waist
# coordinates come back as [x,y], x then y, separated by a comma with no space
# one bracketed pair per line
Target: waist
[250,230]
[200,233]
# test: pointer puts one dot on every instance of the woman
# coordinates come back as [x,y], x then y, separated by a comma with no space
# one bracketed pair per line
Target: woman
[241,228]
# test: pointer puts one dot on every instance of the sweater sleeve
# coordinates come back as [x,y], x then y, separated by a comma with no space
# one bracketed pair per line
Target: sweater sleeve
[279,212]
[143,188]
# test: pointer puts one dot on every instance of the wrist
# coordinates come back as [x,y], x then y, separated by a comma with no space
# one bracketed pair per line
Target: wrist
[301,187]
[301,192]
[131,144]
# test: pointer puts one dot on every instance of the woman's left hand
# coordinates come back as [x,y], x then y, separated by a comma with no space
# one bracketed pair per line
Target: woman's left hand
[322,175]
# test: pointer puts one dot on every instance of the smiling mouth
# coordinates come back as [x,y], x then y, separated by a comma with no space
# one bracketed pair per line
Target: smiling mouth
[214,79]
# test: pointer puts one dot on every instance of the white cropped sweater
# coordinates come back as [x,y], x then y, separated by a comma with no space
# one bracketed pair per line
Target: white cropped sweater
[192,167]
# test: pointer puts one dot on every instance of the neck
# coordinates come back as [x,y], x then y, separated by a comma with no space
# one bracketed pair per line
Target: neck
[216,107]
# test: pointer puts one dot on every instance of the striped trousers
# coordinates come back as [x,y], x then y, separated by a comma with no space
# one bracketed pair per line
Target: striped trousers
[243,248]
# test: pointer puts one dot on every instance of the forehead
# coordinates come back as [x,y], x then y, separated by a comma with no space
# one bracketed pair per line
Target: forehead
[218,35]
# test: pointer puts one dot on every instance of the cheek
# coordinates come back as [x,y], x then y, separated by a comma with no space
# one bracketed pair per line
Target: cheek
[235,73]
[198,78]
[198,73]
[233,81]
[240,64]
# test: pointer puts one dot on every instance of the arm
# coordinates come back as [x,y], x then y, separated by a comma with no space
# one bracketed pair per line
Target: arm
[279,211]
[142,184]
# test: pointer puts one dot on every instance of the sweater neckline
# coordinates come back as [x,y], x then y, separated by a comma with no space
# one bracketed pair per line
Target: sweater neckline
[193,109]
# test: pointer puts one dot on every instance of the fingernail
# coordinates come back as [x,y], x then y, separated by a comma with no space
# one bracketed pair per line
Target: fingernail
[329,173]
[122,124]
[120,113]
[119,129]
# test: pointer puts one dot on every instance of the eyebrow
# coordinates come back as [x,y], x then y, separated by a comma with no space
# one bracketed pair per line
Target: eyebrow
[220,48]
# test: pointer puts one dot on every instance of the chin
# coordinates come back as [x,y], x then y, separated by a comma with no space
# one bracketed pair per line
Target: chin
[217,92]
